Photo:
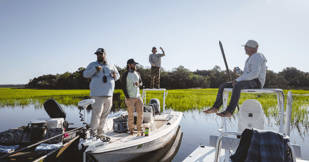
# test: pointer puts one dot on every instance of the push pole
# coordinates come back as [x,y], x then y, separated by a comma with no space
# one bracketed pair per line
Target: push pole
[227,68]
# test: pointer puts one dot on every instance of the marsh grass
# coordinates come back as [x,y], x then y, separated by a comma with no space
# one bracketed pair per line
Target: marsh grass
[179,99]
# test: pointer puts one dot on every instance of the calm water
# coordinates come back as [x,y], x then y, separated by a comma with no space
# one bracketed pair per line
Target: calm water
[196,126]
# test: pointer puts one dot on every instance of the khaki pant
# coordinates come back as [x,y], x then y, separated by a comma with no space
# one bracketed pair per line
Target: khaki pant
[100,110]
[136,103]
[155,77]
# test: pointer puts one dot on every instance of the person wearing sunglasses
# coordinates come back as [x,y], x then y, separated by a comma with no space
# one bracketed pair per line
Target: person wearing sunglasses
[103,76]
[130,83]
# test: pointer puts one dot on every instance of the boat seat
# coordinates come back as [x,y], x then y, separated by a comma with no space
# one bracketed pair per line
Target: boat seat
[250,115]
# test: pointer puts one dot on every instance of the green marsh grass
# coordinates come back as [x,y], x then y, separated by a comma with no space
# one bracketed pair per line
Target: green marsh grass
[178,99]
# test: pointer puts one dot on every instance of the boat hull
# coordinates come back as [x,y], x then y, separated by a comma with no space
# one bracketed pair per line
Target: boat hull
[149,144]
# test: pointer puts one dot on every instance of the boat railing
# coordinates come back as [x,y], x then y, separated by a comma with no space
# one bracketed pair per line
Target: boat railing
[288,113]
[35,144]
[160,89]
[280,100]
[218,145]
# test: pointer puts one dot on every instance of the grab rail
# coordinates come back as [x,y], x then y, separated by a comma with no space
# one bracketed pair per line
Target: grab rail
[71,131]
[280,100]
[288,113]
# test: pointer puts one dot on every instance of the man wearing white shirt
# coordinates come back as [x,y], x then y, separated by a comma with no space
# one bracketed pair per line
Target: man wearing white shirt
[253,77]
[130,82]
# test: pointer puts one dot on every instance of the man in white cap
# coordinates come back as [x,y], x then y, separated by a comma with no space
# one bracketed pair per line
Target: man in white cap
[253,77]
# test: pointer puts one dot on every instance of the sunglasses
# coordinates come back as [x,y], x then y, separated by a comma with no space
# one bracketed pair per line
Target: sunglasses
[100,54]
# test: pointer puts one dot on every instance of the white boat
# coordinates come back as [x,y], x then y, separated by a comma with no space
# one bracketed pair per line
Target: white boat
[122,146]
[251,115]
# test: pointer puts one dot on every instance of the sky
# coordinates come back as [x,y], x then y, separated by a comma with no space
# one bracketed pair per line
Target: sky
[40,37]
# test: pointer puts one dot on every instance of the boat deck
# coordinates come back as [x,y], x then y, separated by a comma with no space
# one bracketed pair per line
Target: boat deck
[159,121]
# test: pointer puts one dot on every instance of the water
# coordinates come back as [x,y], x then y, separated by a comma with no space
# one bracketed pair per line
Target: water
[195,125]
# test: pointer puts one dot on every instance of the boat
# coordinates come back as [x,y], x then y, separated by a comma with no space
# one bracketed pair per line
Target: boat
[43,139]
[250,116]
[167,153]
[118,145]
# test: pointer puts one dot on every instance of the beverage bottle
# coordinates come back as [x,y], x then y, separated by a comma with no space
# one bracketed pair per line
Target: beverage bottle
[146,131]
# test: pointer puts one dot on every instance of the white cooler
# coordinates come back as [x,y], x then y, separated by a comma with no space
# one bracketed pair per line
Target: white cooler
[55,123]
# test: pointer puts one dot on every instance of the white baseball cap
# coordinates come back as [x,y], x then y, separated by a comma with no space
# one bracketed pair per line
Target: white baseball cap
[251,43]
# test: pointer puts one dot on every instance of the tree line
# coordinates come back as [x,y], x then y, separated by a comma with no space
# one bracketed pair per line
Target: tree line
[177,78]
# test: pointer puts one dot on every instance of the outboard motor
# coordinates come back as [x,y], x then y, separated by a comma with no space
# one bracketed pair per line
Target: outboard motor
[54,110]
[156,105]
[251,115]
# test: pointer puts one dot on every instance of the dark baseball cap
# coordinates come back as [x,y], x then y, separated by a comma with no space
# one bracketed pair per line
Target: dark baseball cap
[131,61]
[100,51]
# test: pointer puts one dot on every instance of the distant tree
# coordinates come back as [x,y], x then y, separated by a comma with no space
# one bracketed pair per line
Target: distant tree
[177,78]
[295,77]
[145,74]
[274,80]
[81,81]
[217,77]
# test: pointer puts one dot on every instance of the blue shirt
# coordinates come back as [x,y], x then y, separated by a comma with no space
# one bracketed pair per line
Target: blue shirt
[97,86]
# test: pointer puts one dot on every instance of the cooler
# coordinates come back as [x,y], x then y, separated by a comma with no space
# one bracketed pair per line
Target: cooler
[55,123]
[38,129]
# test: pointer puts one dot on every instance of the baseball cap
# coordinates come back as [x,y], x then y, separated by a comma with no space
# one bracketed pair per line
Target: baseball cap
[131,61]
[154,48]
[100,50]
[251,43]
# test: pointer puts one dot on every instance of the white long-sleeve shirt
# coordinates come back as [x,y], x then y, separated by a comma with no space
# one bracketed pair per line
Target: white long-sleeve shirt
[255,67]
[133,90]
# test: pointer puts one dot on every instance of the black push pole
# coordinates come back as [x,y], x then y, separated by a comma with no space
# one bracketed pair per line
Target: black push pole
[227,68]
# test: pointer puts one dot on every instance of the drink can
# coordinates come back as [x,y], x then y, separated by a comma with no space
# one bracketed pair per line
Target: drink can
[146,131]
[237,70]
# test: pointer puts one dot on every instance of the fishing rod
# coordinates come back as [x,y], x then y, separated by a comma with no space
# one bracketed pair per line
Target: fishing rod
[227,68]
[71,131]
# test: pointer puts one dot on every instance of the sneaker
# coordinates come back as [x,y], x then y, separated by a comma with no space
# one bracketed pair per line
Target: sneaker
[102,135]
[131,132]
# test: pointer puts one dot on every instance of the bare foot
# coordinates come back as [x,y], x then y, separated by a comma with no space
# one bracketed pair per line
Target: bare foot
[224,114]
[211,110]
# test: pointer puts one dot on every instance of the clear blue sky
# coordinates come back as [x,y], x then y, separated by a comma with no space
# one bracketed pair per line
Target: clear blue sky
[55,36]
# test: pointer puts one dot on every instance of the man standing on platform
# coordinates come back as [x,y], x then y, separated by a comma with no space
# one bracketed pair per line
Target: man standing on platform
[130,83]
[252,77]
[103,76]
[155,61]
